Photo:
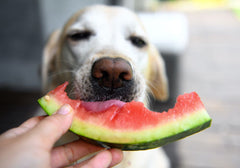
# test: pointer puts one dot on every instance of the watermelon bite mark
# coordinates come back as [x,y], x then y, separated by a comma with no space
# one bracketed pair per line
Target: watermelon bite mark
[130,126]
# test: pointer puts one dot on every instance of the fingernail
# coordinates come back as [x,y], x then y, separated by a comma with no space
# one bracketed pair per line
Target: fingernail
[65,109]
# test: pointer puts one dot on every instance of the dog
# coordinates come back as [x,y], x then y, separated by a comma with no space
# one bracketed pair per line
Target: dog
[105,54]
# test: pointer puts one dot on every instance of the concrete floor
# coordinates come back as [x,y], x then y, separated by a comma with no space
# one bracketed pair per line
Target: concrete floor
[211,67]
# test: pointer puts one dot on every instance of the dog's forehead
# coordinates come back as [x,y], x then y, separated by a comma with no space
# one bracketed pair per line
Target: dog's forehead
[97,16]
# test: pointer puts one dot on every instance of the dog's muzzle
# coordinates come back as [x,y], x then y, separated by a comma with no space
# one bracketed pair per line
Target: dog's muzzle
[112,78]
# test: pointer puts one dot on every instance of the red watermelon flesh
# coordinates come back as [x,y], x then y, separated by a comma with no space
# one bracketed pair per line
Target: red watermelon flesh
[131,126]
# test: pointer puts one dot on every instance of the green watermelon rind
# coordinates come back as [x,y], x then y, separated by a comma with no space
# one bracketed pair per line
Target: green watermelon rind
[49,105]
[135,140]
[146,139]
[160,142]
[153,133]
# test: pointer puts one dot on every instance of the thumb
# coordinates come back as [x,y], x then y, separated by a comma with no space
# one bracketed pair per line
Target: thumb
[50,129]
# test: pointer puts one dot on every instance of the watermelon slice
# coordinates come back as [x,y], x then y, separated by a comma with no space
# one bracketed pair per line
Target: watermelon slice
[130,126]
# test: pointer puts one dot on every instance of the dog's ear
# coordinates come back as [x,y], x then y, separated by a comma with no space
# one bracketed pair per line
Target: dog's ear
[49,54]
[156,75]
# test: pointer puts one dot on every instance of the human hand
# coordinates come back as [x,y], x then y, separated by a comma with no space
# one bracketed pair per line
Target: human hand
[31,145]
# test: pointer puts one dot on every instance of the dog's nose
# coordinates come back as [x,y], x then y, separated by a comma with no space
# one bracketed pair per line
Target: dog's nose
[112,72]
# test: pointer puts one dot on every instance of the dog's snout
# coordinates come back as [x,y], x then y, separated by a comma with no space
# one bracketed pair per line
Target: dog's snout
[112,72]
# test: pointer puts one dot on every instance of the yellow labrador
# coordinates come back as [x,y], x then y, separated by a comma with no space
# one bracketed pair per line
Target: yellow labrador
[105,54]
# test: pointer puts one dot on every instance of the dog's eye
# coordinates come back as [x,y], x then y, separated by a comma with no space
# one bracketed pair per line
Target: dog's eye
[138,41]
[77,36]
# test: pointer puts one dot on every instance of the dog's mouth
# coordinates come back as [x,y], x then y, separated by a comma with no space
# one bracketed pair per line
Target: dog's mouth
[110,82]
[98,100]
[101,105]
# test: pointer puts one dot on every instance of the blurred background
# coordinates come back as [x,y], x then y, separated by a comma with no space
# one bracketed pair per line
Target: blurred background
[199,40]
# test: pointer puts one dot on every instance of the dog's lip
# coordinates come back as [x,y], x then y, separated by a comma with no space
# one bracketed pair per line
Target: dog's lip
[101,105]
